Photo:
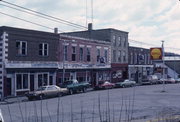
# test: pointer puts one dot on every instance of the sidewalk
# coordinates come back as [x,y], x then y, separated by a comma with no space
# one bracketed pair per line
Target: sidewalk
[11,100]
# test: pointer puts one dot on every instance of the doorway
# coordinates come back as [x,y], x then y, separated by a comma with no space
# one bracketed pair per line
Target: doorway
[32,82]
[9,86]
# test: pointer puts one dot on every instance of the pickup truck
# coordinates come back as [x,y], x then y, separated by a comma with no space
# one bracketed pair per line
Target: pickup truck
[74,86]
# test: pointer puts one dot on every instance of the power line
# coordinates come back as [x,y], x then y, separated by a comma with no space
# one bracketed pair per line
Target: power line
[148,44]
[65,21]
[27,21]
[36,15]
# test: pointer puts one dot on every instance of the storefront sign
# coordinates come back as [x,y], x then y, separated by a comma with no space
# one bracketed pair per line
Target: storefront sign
[156,53]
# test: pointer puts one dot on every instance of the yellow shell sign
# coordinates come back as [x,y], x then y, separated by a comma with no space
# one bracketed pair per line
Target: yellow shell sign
[156,53]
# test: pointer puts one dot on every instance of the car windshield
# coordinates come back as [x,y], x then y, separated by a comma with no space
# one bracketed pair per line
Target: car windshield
[41,88]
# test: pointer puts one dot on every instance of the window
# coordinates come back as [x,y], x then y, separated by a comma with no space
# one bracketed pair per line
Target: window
[119,56]
[131,58]
[124,56]
[42,79]
[73,53]
[114,41]
[119,40]
[65,53]
[114,55]
[88,54]
[98,55]
[43,49]
[22,81]
[106,55]
[135,59]
[21,47]
[81,54]
[124,41]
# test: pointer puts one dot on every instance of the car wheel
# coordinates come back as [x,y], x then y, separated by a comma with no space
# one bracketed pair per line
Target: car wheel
[30,98]
[41,96]
[70,91]
[60,94]
[84,89]
[123,86]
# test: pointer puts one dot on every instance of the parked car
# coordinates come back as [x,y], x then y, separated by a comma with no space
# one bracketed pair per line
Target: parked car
[74,86]
[1,116]
[151,79]
[125,83]
[46,92]
[105,85]
[177,80]
[170,80]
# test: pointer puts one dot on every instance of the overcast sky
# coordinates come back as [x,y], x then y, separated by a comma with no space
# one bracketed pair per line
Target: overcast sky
[147,21]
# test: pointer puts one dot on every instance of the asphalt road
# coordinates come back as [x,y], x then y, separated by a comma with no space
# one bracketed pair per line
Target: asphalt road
[136,104]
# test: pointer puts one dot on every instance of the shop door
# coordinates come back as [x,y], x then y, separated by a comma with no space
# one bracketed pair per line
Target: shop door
[31,82]
[9,86]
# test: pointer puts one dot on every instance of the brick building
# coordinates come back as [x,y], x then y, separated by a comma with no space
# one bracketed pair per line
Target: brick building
[140,64]
[119,48]
[30,59]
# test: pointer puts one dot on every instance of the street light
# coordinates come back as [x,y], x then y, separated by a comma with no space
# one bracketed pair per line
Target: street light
[163,66]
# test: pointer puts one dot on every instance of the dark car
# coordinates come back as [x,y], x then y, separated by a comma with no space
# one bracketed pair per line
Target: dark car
[46,92]
[74,86]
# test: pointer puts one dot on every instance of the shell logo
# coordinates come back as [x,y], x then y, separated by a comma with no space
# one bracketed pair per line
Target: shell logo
[156,53]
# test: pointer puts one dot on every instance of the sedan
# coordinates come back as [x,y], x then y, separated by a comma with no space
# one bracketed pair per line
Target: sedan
[46,91]
[170,80]
[105,85]
[126,83]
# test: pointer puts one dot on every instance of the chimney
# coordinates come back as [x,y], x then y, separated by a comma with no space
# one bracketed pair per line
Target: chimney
[56,30]
[89,26]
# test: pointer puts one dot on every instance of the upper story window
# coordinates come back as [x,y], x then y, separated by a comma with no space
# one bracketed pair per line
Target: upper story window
[124,41]
[21,48]
[124,56]
[98,55]
[114,55]
[65,53]
[88,54]
[119,56]
[114,41]
[106,55]
[43,49]
[81,53]
[135,58]
[131,58]
[73,53]
[119,40]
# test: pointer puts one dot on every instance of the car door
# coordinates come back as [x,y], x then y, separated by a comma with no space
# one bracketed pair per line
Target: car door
[51,91]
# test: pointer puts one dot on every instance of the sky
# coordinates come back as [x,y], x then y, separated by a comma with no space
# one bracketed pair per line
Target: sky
[147,21]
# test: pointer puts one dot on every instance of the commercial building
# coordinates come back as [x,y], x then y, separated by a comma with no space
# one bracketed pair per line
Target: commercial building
[30,59]
[140,64]
[119,48]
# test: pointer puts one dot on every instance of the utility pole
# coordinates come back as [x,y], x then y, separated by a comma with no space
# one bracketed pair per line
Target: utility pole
[63,60]
[163,66]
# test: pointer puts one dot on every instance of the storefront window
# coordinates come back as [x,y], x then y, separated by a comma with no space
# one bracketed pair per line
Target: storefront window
[22,81]
[42,79]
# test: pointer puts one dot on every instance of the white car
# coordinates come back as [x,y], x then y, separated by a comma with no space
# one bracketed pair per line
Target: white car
[1,117]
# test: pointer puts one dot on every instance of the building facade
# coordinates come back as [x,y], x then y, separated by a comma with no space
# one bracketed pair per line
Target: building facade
[140,64]
[30,59]
[119,49]
[85,59]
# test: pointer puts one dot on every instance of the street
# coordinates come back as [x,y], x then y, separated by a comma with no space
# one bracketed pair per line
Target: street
[135,104]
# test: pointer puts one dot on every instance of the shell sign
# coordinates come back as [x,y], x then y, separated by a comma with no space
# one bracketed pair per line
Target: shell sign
[156,53]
